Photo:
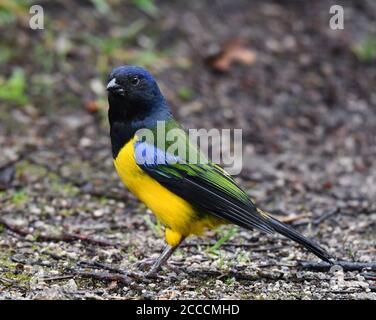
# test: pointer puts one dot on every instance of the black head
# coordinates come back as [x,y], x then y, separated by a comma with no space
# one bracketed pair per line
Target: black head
[133,88]
[135,102]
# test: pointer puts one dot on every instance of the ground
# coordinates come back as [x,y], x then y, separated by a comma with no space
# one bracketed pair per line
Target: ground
[303,95]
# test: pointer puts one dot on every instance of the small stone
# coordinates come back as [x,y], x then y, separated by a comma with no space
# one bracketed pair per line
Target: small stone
[35,210]
[97,86]
[85,142]
[184,282]
[71,285]
[49,209]
[98,213]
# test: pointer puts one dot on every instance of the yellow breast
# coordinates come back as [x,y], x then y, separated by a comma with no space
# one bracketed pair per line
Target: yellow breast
[179,217]
[174,212]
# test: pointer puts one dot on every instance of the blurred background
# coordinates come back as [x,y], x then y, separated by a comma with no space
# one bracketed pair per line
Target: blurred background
[303,94]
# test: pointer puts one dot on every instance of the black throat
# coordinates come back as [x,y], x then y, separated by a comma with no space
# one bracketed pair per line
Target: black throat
[126,119]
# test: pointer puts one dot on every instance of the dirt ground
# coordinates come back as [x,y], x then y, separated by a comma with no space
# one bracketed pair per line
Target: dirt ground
[303,94]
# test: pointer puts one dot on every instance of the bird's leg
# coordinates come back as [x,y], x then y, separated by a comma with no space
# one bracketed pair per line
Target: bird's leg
[155,265]
[162,259]
[173,239]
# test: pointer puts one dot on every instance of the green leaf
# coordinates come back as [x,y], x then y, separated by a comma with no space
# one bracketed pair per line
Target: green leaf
[102,6]
[227,236]
[148,6]
[366,50]
[186,93]
[19,198]
[13,89]
[155,227]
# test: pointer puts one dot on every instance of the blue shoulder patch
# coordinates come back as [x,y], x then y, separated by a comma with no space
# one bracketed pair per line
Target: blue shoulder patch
[149,155]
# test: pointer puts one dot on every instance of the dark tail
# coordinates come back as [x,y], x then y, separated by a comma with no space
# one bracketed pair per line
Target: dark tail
[290,233]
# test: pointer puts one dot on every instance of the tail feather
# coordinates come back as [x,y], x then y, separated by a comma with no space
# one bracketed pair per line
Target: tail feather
[294,235]
[297,237]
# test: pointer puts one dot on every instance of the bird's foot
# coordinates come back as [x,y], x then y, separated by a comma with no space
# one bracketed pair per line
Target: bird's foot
[155,265]
[145,264]
[152,274]
[154,269]
[149,267]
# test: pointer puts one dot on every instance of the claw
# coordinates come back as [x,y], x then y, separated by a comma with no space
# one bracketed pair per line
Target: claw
[145,264]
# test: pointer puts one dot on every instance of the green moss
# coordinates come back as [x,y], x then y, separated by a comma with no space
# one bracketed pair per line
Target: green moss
[179,253]
[13,88]
[230,281]
[221,261]
[61,187]
[351,253]
[45,57]
[156,227]
[103,200]
[6,54]
[68,189]
[366,50]
[11,272]
[27,168]
[21,278]
[186,94]
[67,212]
[243,257]
[148,6]
[146,58]
[11,10]
[107,46]
[131,257]
[19,198]
[102,6]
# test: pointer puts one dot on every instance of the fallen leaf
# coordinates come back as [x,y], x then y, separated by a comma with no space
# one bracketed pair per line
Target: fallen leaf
[112,286]
[327,185]
[294,217]
[232,51]
[92,106]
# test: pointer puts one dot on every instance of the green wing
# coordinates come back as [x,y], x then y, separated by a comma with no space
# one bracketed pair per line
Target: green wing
[205,185]
[211,190]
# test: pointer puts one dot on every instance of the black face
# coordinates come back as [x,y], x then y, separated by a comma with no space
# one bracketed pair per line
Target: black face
[135,102]
[133,86]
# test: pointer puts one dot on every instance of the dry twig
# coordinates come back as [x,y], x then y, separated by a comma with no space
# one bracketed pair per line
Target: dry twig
[345,265]
[64,236]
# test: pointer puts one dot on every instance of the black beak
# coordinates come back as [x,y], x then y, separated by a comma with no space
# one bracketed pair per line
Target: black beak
[112,86]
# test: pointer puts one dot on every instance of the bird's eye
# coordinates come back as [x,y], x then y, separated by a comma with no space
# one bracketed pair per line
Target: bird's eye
[135,81]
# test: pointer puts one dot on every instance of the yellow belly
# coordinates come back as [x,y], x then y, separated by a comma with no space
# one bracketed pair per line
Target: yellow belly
[179,217]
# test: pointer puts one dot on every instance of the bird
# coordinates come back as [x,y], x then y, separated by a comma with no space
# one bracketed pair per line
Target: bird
[187,197]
